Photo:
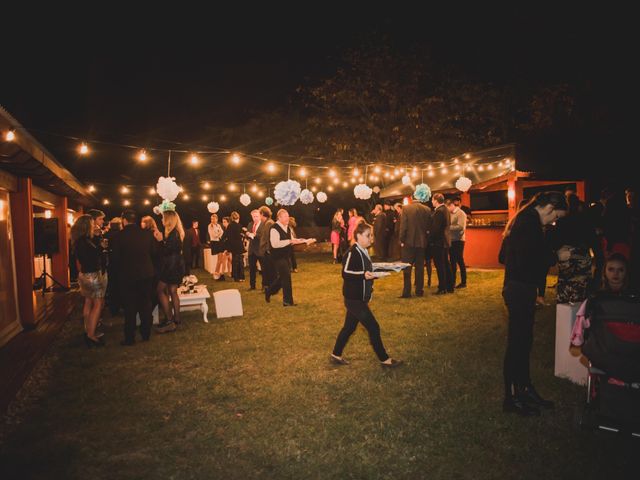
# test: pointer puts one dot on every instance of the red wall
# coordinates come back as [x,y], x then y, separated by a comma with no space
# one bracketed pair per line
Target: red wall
[482,246]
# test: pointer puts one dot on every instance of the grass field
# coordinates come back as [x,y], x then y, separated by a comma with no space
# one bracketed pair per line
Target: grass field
[255,397]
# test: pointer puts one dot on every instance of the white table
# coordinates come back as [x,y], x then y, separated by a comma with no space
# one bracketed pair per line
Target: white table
[195,301]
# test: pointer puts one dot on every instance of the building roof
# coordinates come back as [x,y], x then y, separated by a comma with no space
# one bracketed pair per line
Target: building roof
[26,157]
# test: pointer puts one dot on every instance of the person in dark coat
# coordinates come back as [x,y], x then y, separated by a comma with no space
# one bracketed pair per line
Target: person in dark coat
[133,255]
[379,232]
[235,246]
[526,257]
[439,244]
[264,246]
[253,230]
[113,287]
[390,222]
[192,247]
[414,225]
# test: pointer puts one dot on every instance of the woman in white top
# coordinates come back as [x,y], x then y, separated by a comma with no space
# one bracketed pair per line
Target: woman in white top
[215,235]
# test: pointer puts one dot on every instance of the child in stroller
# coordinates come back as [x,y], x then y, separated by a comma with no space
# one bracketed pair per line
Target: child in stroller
[608,329]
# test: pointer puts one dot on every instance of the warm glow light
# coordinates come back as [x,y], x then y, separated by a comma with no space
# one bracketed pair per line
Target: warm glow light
[152,191]
[356,172]
[346,184]
[142,156]
[332,172]
[126,203]
[481,168]
[205,198]
[10,136]
[223,198]
[232,187]
[329,188]
[431,173]
[457,167]
[83,149]
[336,180]
[318,180]
[429,167]
[314,189]
[507,161]
[260,194]
[377,169]
[500,164]
[396,171]
[302,172]
[467,156]
[353,180]
[444,170]
[48,213]
[511,194]
[489,167]
[455,160]
[194,159]
[92,188]
[361,179]
[105,201]
[414,174]
[70,218]
[254,188]
[185,196]
[206,185]
[442,164]
[124,190]
[271,168]
[235,159]
[147,202]
[386,174]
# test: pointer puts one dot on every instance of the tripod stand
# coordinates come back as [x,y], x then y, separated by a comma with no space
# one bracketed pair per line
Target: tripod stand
[44,275]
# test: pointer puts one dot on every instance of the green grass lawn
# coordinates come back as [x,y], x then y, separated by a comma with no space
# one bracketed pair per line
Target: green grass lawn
[256,397]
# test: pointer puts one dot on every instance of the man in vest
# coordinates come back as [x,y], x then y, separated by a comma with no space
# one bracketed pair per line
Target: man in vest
[281,248]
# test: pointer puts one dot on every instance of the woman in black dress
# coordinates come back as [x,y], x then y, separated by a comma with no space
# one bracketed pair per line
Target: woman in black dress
[171,270]
[234,246]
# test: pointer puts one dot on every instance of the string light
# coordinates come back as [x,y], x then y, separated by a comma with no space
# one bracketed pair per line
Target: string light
[346,184]
[205,198]
[92,188]
[396,171]
[445,170]
[318,180]
[353,180]
[260,194]
[223,198]
[235,159]
[431,173]
[232,187]
[302,172]
[376,169]
[142,156]
[271,168]
[147,202]
[336,180]
[332,172]
[329,188]
[126,203]
[83,149]
[455,160]
[386,174]
[489,167]
[356,172]
[48,214]
[185,196]
[105,201]
[206,185]
[124,190]
[194,159]
[10,136]
[254,188]
[480,168]
[152,191]
[314,189]
[467,156]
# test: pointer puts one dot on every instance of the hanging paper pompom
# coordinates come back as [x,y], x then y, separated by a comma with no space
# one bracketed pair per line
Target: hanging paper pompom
[268,201]
[287,193]
[245,199]
[322,197]
[167,188]
[213,207]
[157,210]
[362,191]
[422,193]
[376,189]
[406,180]
[306,197]
[463,184]
[166,205]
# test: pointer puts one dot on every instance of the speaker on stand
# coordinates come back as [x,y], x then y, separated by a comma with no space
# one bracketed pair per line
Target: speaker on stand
[45,232]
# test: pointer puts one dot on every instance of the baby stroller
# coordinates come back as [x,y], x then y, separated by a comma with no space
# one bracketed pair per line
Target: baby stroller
[612,345]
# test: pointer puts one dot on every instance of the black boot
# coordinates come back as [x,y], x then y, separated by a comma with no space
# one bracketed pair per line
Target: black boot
[514,404]
[530,396]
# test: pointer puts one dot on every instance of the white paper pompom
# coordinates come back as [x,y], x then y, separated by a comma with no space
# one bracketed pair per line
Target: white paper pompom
[245,199]
[463,184]
[362,191]
[287,193]
[167,188]
[306,197]
[376,189]
[406,180]
[213,207]
[322,197]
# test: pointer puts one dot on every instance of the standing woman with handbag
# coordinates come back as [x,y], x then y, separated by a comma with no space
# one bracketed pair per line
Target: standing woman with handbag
[171,270]
[526,257]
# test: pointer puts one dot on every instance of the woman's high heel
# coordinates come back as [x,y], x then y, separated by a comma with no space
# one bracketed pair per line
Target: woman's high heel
[93,343]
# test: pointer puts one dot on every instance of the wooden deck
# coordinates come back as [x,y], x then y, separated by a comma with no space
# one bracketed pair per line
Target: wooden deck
[22,353]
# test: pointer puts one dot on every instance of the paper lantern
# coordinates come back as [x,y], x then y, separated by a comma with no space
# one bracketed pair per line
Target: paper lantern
[463,184]
[287,193]
[322,197]
[306,197]
[362,191]
[245,199]
[213,207]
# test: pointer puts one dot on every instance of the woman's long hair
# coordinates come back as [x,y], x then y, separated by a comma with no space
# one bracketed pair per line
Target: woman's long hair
[540,199]
[82,227]
[171,220]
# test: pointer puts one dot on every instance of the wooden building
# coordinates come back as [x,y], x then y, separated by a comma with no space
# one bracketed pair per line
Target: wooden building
[32,184]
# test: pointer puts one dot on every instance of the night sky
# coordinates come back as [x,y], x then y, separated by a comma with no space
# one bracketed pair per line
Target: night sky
[137,79]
